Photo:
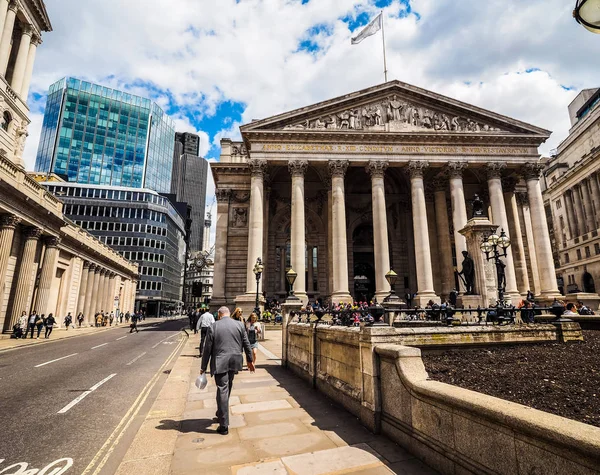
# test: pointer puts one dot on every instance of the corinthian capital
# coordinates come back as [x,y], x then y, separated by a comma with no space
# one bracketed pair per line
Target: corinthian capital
[376,168]
[532,171]
[13,5]
[417,168]
[33,233]
[297,167]
[52,241]
[494,169]
[9,221]
[222,195]
[257,167]
[338,167]
[456,169]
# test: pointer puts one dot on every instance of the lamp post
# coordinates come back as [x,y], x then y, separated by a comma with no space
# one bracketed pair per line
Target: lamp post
[291,278]
[391,278]
[587,14]
[258,270]
[494,247]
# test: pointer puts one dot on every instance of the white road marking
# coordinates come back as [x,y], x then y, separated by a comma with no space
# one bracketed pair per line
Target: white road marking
[135,359]
[168,338]
[57,359]
[122,337]
[79,398]
[94,347]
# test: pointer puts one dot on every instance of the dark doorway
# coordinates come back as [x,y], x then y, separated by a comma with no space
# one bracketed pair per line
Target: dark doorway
[588,283]
[364,263]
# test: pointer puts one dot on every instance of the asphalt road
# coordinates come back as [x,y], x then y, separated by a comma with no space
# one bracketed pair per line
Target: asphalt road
[69,408]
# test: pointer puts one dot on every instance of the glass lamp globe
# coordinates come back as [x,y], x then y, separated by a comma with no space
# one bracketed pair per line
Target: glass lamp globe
[503,240]
[486,246]
[587,13]
[493,239]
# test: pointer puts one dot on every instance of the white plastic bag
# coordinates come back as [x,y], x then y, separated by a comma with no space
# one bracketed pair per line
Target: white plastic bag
[201,381]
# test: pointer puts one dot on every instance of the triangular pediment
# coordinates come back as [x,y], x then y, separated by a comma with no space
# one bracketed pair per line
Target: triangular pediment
[394,107]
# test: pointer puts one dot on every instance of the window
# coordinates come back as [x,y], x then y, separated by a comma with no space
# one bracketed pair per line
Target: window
[558,204]
[566,257]
[597,248]
[587,251]
[6,120]
[578,254]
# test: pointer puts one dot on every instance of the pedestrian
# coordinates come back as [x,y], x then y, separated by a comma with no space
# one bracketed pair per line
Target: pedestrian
[571,310]
[133,326]
[204,323]
[68,321]
[254,332]
[32,319]
[111,318]
[80,319]
[195,319]
[98,320]
[39,323]
[127,317]
[23,325]
[225,341]
[50,321]
[121,317]
[238,314]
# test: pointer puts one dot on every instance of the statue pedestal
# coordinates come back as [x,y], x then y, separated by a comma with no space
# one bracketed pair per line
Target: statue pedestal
[470,301]
[485,290]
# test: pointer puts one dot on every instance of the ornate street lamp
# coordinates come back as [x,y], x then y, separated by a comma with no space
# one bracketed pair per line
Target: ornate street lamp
[258,270]
[391,278]
[587,14]
[291,278]
[494,247]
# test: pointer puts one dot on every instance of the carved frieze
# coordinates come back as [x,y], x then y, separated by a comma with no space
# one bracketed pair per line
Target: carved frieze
[239,150]
[393,114]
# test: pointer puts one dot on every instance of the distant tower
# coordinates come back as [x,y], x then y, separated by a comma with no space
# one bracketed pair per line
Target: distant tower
[207,224]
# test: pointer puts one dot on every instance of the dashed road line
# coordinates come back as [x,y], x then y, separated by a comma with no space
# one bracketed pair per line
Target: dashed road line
[94,347]
[122,337]
[57,359]
[83,395]
[135,359]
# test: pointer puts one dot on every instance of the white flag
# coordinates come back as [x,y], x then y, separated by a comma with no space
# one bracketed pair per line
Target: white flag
[368,30]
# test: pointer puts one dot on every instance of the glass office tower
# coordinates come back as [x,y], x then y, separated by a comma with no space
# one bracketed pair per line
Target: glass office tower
[99,136]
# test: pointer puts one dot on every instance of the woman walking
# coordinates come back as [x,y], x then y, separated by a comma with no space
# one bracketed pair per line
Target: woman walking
[237,314]
[254,331]
[39,323]
[50,321]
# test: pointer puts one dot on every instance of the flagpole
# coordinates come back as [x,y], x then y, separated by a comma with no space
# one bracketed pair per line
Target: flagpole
[383,39]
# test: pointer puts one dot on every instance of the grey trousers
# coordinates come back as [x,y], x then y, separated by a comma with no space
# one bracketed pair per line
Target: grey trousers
[224,382]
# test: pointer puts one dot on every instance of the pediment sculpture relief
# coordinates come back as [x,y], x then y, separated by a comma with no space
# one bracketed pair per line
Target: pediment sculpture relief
[394,115]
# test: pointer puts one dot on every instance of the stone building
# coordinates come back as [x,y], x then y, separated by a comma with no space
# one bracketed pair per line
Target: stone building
[345,190]
[572,197]
[47,263]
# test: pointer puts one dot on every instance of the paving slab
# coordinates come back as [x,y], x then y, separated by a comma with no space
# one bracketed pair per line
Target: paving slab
[334,460]
[260,406]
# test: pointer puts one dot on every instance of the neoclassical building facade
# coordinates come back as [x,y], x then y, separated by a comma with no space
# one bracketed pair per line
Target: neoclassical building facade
[345,190]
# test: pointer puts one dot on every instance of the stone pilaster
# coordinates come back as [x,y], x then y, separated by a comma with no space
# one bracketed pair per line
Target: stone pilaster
[578,207]
[421,234]
[94,304]
[47,276]
[255,222]
[89,294]
[110,293]
[8,224]
[297,169]
[220,267]
[376,168]
[102,288]
[83,282]
[587,206]
[23,282]
[500,219]
[545,261]
[339,244]
[459,209]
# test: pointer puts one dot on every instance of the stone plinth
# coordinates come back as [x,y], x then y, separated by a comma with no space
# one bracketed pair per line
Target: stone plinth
[485,277]
[247,302]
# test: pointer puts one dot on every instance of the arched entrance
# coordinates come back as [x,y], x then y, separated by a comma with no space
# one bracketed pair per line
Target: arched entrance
[588,283]
[364,263]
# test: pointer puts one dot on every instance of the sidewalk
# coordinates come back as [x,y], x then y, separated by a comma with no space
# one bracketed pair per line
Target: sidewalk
[278,425]
[7,343]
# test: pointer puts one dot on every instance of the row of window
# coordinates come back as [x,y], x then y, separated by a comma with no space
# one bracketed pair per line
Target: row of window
[108,194]
[145,285]
[122,227]
[587,253]
[136,242]
[115,212]
[154,271]
[142,256]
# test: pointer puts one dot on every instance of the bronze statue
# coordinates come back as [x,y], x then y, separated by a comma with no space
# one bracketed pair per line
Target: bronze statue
[468,273]
[478,208]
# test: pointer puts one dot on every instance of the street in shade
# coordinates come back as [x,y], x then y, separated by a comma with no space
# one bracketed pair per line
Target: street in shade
[73,405]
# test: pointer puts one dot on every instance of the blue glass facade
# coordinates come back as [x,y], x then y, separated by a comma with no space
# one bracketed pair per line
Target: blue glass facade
[95,135]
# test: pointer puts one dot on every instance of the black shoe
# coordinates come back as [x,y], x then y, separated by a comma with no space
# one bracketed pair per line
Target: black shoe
[222,430]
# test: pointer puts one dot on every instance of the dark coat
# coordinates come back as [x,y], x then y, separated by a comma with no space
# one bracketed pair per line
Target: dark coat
[223,347]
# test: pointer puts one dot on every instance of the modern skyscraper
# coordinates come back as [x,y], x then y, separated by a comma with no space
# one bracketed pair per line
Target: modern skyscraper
[99,136]
[190,142]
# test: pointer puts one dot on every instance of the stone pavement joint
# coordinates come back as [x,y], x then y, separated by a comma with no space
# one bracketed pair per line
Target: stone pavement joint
[278,426]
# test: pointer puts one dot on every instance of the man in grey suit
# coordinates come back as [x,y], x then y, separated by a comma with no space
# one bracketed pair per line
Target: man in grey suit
[223,347]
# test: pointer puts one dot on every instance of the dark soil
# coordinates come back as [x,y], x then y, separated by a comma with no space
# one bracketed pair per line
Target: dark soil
[563,379]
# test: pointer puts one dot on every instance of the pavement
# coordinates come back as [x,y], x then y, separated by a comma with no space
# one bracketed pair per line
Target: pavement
[278,425]
[78,402]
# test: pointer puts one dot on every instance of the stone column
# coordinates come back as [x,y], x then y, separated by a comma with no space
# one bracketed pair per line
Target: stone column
[102,288]
[425,290]
[444,242]
[24,92]
[596,197]
[339,245]
[6,40]
[3,13]
[89,293]
[535,276]
[578,206]
[133,293]
[22,55]
[459,210]
[110,294]
[8,224]
[255,222]
[543,249]
[327,183]
[376,168]
[297,169]
[282,278]
[494,170]
[310,274]
[571,219]
[82,288]
[587,205]
[95,290]
[517,247]
[22,300]
[220,267]
[47,276]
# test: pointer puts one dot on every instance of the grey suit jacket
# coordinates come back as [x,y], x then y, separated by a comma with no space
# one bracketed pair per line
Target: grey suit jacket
[224,343]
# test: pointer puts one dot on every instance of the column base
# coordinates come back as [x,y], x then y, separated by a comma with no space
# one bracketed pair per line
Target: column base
[341,297]
[512,297]
[247,302]
[423,299]
[547,298]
